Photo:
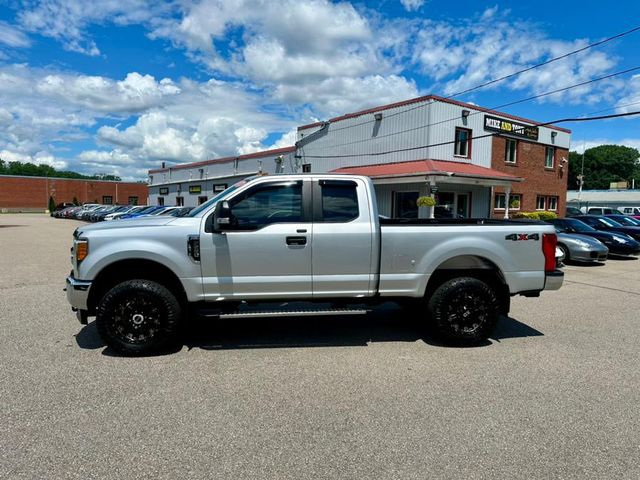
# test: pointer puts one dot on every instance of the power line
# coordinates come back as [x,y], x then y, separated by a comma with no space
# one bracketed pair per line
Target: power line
[511,75]
[492,109]
[613,108]
[399,150]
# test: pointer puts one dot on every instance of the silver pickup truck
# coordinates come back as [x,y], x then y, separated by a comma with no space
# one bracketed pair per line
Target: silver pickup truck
[268,241]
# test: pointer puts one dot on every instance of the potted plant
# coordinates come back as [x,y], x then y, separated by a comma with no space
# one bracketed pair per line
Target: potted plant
[426,202]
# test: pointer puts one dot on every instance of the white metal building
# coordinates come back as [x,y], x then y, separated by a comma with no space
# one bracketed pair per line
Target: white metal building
[434,145]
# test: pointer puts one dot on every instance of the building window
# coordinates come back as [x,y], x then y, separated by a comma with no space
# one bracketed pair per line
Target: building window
[150,179]
[201,172]
[463,143]
[552,203]
[180,201]
[511,151]
[164,191]
[500,200]
[160,200]
[201,200]
[404,204]
[133,200]
[549,157]
[195,189]
[541,202]
[107,200]
[306,167]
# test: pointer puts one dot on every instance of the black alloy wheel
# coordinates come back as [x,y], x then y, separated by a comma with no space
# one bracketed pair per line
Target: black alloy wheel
[138,317]
[464,310]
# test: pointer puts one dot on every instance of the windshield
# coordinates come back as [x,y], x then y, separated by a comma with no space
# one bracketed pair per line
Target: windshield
[579,226]
[217,198]
[609,223]
[631,222]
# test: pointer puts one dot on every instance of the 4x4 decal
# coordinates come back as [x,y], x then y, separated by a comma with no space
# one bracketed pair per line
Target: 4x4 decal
[522,236]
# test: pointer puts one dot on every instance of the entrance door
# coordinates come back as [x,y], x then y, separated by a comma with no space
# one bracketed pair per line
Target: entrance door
[462,206]
[267,253]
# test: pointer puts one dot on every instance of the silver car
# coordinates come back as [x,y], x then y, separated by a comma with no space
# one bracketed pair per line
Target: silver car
[581,248]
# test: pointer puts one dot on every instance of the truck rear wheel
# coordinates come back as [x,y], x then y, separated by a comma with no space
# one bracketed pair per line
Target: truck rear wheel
[138,317]
[464,310]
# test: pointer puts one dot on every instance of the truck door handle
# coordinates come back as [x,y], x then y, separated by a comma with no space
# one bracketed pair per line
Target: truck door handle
[296,240]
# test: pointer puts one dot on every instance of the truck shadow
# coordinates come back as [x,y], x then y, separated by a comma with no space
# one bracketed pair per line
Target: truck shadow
[384,324]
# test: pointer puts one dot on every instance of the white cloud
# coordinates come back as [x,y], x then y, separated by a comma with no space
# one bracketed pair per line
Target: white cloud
[470,52]
[67,20]
[630,101]
[412,5]
[39,158]
[338,95]
[586,145]
[12,37]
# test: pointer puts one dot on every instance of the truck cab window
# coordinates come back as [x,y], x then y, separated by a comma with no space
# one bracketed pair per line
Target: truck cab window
[339,201]
[267,204]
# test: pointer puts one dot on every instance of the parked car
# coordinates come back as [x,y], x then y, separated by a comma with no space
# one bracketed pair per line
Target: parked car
[130,209]
[634,211]
[143,211]
[617,243]
[180,211]
[581,248]
[600,222]
[301,237]
[573,212]
[625,220]
[597,210]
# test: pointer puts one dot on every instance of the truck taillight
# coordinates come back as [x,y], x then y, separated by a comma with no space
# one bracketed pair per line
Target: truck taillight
[549,242]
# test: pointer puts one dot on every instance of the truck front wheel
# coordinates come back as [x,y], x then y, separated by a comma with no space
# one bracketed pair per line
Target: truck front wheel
[464,310]
[137,317]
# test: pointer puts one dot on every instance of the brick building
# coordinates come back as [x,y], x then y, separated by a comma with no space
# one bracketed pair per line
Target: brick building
[474,161]
[543,169]
[22,193]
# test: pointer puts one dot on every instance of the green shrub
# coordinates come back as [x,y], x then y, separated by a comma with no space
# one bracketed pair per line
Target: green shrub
[542,215]
[52,204]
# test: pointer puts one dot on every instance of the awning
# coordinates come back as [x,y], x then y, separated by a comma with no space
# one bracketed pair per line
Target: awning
[441,171]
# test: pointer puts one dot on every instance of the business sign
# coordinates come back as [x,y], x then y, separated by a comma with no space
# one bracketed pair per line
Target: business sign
[195,189]
[164,190]
[510,127]
[219,187]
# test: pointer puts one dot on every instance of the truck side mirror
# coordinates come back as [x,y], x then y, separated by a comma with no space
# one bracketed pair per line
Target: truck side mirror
[222,217]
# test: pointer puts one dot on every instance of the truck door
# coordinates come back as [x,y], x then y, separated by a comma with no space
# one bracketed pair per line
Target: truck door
[343,235]
[267,251]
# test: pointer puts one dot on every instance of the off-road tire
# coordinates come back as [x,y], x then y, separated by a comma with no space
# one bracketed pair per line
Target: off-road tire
[464,311]
[139,317]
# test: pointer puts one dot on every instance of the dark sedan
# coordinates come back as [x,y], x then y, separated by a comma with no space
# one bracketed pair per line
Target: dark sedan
[607,224]
[617,243]
[625,220]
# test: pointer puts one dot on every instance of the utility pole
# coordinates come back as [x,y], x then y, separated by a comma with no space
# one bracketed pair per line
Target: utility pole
[581,177]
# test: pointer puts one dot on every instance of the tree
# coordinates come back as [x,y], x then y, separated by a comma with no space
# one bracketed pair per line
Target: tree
[602,165]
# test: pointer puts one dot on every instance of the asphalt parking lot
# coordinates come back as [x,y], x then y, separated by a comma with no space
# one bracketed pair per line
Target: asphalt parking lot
[555,394]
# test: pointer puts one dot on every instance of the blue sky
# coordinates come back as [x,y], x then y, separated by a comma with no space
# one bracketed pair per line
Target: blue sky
[119,86]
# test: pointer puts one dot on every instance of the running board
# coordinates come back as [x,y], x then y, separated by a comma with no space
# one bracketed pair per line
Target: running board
[291,313]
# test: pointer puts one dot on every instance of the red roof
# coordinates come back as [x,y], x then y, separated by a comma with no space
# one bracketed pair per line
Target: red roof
[427,167]
[435,98]
[264,153]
